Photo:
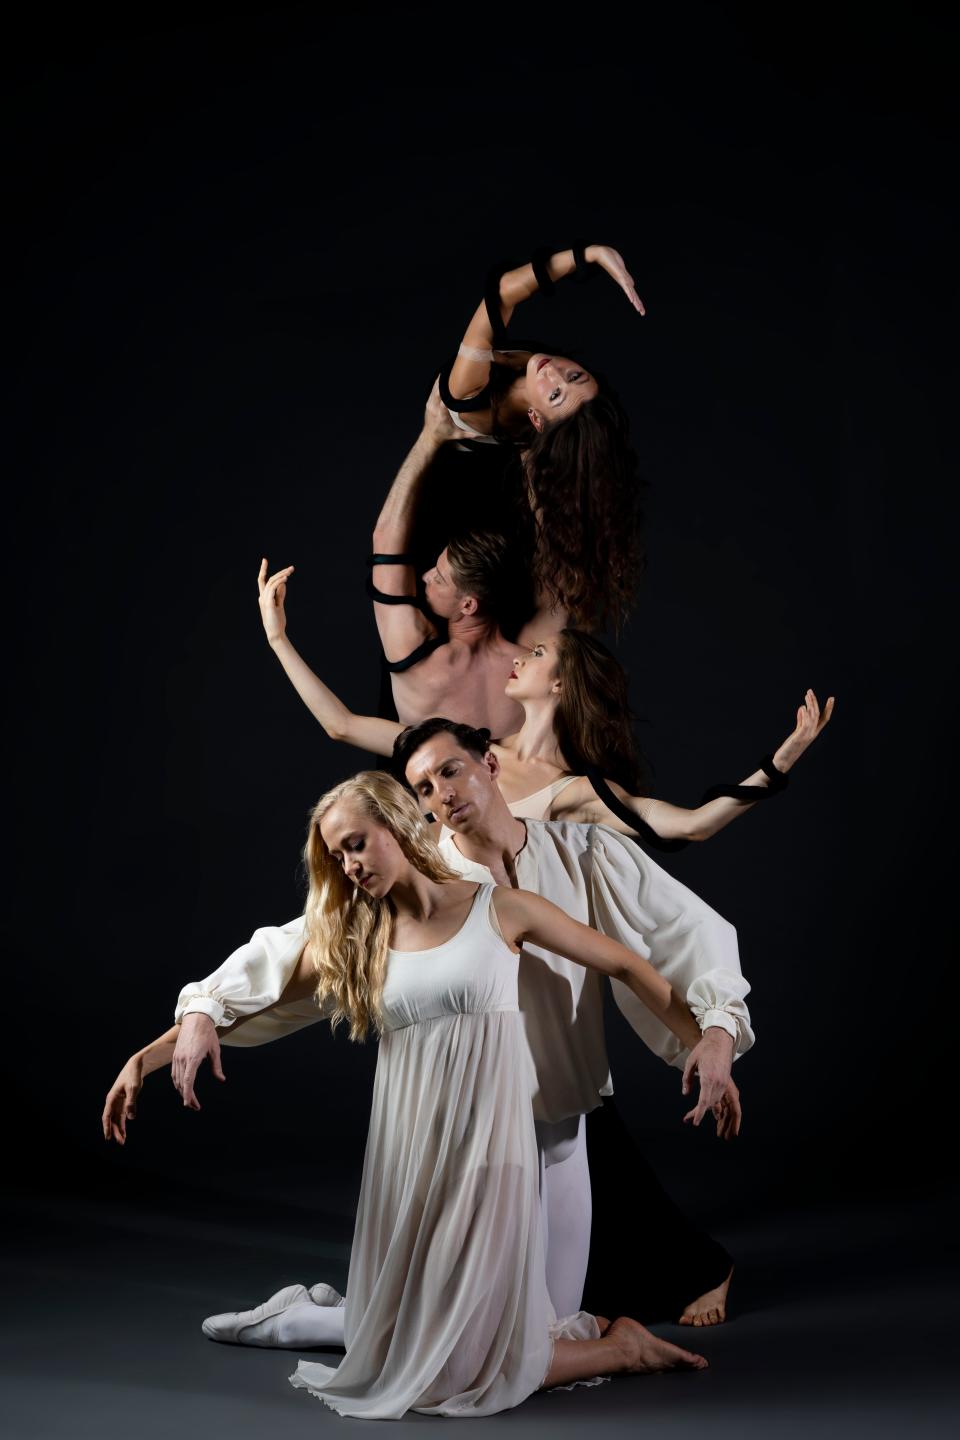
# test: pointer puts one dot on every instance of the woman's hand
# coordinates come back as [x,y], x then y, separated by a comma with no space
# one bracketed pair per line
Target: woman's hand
[612,261]
[810,723]
[198,1041]
[121,1102]
[273,592]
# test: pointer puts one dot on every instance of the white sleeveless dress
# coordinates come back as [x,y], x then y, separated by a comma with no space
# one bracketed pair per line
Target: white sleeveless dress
[447,1308]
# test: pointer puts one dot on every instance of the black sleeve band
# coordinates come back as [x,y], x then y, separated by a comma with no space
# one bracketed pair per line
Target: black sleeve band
[397,667]
[634,822]
[745,794]
[491,298]
[584,270]
[382,598]
[462,407]
[540,260]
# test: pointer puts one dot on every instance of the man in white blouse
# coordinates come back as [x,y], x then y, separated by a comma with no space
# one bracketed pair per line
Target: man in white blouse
[599,877]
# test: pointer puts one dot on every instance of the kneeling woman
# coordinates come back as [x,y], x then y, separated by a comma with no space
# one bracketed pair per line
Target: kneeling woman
[447,1308]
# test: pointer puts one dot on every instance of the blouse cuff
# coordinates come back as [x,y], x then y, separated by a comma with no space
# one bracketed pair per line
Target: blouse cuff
[720,1019]
[202,1005]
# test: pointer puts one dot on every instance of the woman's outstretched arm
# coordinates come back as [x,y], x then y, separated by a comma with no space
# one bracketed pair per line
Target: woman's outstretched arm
[471,370]
[183,1048]
[121,1102]
[675,822]
[524,916]
[366,732]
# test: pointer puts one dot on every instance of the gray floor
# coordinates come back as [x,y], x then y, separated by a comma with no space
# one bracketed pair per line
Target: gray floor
[840,1326]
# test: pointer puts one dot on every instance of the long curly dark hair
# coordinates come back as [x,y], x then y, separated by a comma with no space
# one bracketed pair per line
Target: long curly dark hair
[594,723]
[580,484]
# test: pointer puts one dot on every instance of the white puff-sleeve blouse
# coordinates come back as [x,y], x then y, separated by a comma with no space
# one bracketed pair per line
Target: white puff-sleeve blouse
[635,901]
[251,979]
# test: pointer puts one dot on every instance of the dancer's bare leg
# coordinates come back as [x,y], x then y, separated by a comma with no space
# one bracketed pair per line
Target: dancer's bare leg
[626,1349]
[709,1308]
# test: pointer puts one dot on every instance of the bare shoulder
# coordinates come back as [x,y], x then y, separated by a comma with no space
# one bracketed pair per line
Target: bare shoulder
[509,913]
[573,800]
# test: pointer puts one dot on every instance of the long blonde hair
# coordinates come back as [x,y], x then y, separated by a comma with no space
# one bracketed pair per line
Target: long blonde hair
[349,930]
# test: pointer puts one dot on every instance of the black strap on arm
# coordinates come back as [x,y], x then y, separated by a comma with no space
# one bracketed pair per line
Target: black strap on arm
[540,260]
[453,402]
[378,595]
[632,821]
[584,270]
[397,667]
[491,299]
[751,794]
[745,794]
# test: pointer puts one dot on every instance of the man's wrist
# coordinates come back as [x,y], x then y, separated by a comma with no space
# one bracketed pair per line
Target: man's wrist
[428,440]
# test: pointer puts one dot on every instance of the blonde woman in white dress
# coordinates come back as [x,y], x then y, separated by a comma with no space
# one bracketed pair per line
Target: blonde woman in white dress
[447,1309]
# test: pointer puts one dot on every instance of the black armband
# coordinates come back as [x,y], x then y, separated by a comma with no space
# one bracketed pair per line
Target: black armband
[380,596]
[540,260]
[491,299]
[462,407]
[633,822]
[584,271]
[397,667]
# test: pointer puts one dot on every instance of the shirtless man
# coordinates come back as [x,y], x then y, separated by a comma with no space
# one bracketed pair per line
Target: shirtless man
[464,675]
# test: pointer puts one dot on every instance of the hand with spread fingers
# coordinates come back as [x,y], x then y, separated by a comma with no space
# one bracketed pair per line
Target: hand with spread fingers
[710,1061]
[727,1112]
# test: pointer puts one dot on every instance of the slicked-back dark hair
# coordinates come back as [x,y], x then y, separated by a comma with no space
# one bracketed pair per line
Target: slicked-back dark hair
[477,742]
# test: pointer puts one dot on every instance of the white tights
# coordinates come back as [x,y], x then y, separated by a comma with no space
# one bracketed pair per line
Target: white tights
[565,1209]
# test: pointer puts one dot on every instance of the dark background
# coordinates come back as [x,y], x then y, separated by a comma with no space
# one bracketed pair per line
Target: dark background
[240,250]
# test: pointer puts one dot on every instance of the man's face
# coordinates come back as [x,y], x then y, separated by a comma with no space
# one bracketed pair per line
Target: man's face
[453,783]
[440,591]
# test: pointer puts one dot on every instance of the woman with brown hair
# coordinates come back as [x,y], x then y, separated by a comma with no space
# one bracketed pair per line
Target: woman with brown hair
[578,474]
[447,1308]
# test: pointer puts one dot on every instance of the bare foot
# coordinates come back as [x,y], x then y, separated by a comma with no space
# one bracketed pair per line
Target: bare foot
[644,1354]
[710,1308]
[603,1322]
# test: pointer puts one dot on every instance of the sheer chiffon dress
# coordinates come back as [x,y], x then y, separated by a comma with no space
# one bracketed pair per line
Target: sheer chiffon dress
[447,1308]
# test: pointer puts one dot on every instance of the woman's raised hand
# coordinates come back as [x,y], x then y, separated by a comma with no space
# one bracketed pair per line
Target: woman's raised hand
[810,723]
[121,1102]
[612,261]
[273,591]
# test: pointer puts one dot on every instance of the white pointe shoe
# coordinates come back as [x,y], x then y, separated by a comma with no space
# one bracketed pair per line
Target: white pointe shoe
[322,1294]
[229,1327]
